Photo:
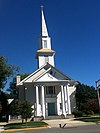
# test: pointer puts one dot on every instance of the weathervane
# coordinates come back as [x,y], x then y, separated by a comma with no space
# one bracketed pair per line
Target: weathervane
[42,7]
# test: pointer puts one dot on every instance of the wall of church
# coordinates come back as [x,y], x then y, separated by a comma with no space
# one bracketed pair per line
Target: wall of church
[30,93]
[43,60]
[72,91]
[59,109]
[21,93]
[51,60]
[27,92]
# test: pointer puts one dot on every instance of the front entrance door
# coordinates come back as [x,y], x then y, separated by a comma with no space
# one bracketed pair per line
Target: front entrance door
[51,109]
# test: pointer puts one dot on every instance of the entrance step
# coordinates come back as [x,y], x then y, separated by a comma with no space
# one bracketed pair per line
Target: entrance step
[58,117]
[70,116]
[54,117]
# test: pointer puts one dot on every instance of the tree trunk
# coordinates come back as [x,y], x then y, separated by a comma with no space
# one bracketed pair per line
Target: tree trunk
[22,120]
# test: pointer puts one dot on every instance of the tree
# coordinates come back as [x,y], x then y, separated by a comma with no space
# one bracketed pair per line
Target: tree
[12,86]
[3,104]
[25,110]
[6,71]
[83,94]
[15,108]
[91,106]
[0,108]
[22,108]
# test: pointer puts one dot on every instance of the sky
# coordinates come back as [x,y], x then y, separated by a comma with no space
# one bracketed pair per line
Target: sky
[73,25]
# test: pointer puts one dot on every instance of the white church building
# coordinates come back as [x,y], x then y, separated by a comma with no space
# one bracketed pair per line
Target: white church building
[50,91]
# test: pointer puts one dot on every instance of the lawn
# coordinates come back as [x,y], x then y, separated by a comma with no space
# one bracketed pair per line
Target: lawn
[90,119]
[25,125]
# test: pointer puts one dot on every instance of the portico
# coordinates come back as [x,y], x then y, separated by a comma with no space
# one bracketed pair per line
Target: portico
[52,98]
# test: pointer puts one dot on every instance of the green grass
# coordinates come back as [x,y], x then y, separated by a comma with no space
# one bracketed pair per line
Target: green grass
[25,125]
[90,119]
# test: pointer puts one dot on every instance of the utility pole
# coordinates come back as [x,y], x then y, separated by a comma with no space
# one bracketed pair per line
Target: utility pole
[97,88]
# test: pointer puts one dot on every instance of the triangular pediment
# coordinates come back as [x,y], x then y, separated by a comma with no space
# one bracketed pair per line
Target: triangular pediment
[52,74]
[45,73]
[46,77]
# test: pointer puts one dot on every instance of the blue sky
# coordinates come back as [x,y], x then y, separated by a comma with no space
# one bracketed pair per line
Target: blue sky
[73,25]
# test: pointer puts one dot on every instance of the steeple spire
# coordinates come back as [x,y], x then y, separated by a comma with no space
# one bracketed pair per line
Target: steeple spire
[44,53]
[44,31]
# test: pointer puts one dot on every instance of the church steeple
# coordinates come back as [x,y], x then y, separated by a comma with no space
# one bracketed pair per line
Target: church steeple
[44,40]
[44,32]
[44,54]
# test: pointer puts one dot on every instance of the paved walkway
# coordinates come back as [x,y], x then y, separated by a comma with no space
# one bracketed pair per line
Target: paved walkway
[55,123]
[69,122]
[2,126]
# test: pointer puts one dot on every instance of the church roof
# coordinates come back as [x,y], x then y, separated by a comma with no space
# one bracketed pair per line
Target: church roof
[47,73]
[45,50]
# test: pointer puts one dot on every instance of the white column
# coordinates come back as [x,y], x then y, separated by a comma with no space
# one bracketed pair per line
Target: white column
[68,99]
[9,117]
[37,101]
[66,105]
[62,100]
[43,101]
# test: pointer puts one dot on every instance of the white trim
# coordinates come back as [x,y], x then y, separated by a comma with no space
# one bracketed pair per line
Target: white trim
[41,75]
[66,102]
[37,101]
[51,67]
[69,102]
[63,100]
[20,83]
[43,101]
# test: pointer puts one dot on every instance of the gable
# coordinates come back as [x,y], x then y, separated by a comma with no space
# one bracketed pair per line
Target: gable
[52,75]
[45,73]
[34,76]
[47,77]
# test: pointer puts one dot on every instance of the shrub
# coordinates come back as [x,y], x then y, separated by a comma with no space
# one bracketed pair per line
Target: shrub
[90,112]
[78,114]
[90,106]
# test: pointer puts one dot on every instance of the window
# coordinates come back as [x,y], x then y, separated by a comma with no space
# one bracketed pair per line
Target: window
[45,43]
[50,90]
[46,59]
[60,105]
